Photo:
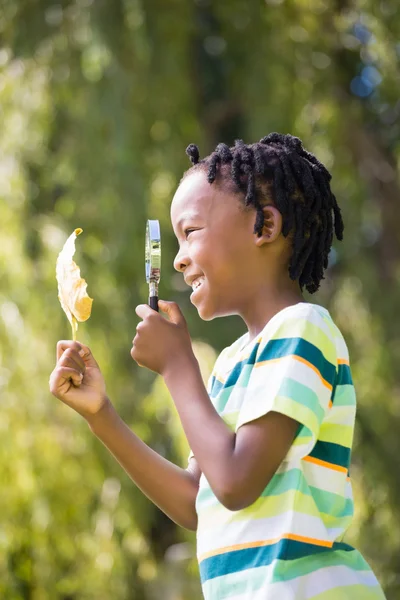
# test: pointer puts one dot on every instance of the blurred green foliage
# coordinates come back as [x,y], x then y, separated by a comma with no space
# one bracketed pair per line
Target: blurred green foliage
[98,101]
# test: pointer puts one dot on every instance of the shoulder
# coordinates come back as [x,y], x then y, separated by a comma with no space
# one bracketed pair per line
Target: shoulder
[301,313]
[303,326]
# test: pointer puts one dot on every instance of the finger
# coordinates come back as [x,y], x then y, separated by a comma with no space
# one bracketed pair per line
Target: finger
[144,310]
[70,358]
[87,356]
[63,374]
[63,345]
[133,354]
[173,311]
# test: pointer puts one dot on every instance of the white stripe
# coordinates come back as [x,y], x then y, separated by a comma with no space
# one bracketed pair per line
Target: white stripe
[324,478]
[275,371]
[305,587]
[214,588]
[235,400]
[312,315]
[316,476]
[341,415]
[341,346]
[348,490]
[214,533]
[323,580]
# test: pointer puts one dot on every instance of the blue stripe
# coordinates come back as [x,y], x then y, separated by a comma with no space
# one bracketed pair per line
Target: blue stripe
[344,375]
[303,349]
[343,378]
[250,558]
[216,387]
[279,349]
[334,454]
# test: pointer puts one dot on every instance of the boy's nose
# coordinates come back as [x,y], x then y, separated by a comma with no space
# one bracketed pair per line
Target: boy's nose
[180,262]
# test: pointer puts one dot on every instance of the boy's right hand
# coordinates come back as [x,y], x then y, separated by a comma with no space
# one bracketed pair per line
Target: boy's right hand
[77,379]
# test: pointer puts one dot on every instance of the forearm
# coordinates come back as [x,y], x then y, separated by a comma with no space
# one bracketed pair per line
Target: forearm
[168,486]
[211,440]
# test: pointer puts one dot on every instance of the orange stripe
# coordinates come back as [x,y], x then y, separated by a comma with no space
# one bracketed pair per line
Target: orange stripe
[270,360]
[303,360]
[308,540]
[323,463]
[300,359]
[330,404]
[261,543]
[343,361]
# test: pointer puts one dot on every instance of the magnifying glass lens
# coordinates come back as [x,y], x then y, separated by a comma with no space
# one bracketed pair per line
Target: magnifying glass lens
[153,260]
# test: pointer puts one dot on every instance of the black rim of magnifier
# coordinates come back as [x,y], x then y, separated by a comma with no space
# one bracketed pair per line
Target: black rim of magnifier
[152,236]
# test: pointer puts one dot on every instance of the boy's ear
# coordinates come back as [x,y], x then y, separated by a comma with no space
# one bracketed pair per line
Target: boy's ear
[272,226]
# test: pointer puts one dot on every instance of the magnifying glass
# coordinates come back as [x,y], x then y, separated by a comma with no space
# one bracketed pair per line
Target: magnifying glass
[153,260]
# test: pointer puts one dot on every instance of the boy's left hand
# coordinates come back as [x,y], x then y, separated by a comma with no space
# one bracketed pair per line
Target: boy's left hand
[161,344]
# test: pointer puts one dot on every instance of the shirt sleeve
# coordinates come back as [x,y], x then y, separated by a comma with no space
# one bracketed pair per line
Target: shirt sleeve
[294,373]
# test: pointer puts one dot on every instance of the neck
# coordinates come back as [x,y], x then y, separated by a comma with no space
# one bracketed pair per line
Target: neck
[267,304]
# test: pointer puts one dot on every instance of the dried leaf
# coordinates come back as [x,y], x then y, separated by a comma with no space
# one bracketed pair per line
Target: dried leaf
[71,287]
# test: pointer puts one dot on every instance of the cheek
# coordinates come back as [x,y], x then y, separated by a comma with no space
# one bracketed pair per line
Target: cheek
[226,265]
[222,260]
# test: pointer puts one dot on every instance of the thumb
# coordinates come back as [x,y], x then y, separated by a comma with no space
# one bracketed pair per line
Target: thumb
[87,356]
[173,311]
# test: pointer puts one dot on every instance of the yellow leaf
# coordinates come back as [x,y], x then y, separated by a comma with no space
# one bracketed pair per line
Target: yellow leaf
[71,287]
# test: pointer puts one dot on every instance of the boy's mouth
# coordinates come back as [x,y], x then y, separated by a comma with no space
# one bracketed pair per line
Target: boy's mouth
[197,284]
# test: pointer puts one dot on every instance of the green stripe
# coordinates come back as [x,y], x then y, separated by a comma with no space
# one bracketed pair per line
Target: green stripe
[279,348]
[344,375]
[283,482]
[310,332]
[344,395]
[236,584]
[265,507]
[303,349]
[249,558]
[303,566]
[282,490]
[343,378]
[337,434]
[355,592]
[223,397]
[302,394]
[331,503]
[224,390]
[326,502]
[334,454]
[279,484]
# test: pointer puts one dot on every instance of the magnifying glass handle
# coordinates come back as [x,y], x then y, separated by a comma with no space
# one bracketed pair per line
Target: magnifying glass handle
[153,302]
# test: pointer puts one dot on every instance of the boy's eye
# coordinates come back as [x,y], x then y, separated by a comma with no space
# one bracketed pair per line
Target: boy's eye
[187,231]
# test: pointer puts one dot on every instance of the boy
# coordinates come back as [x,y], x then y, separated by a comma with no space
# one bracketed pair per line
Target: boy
[267,487]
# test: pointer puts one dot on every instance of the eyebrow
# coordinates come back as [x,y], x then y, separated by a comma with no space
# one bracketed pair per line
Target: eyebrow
[187,216]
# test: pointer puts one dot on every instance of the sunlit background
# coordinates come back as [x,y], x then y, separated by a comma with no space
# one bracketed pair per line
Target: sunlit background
[98,101]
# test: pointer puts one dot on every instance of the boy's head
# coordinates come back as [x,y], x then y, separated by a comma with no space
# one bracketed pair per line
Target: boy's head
[260,212]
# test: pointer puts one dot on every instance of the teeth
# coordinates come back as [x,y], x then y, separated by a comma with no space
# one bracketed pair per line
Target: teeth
[197,282]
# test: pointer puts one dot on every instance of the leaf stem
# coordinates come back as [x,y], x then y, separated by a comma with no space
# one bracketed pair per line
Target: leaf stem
[74,328]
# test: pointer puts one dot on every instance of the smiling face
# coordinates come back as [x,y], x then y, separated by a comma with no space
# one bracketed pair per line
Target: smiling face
[216,239]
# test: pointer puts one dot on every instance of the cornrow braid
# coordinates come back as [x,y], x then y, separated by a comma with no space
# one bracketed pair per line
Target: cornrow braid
[278,168]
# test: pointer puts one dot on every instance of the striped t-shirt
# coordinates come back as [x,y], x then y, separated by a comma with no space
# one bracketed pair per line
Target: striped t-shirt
[288,544]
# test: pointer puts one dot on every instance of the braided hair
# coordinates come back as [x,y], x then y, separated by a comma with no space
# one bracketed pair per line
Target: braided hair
[278,168]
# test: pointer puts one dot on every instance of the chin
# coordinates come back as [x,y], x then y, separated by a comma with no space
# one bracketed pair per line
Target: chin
[206,316]
[205,313]
[209,313]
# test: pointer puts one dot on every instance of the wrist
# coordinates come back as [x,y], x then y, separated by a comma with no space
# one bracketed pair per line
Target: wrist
[187,365]
[95,420]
